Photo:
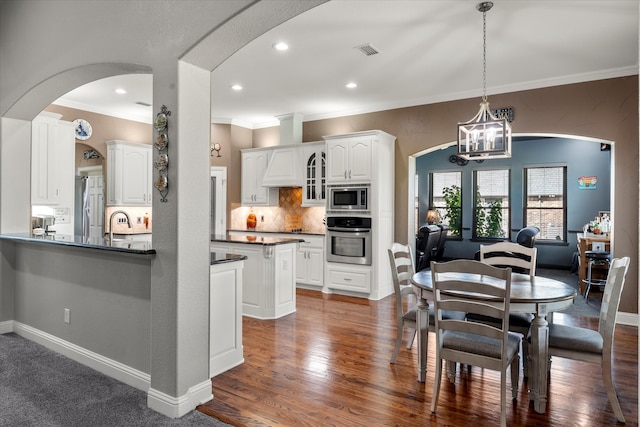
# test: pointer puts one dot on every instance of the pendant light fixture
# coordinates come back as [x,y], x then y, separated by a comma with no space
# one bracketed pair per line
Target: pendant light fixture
[484,136]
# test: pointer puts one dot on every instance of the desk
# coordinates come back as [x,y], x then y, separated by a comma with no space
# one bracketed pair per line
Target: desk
[585,243]
[539,296]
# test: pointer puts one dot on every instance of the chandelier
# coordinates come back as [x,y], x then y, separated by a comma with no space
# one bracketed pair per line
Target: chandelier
[484,136]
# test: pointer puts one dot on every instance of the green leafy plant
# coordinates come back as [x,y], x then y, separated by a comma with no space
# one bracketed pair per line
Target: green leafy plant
[494,221]
[453,199]
[489,225]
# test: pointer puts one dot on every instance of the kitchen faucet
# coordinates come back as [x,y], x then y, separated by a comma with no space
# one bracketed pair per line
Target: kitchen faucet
[111,223]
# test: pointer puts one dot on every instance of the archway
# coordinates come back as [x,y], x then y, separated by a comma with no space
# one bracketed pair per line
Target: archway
[551,149]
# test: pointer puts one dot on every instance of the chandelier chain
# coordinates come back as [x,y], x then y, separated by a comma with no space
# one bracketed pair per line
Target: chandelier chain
[484,56]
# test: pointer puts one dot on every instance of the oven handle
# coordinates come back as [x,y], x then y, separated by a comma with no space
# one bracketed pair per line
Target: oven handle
[349,230]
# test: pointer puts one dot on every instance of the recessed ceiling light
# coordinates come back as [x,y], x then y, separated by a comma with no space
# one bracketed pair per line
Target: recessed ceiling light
[351,85]
[120,91]
[281,46]
[236,87]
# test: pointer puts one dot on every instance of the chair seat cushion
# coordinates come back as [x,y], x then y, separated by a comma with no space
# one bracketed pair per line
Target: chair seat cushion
[479,344]
[574,338]
[456,315]
[522,320]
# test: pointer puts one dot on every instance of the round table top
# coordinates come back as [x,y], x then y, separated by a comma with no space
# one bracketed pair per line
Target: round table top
[523,288]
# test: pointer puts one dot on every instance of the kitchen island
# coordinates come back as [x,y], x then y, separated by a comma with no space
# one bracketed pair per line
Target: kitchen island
[269,277]
[225,312]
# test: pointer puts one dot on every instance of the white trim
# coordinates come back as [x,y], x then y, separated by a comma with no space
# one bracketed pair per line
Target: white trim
[175,407]
[6,327]
[109,367]
[630,319]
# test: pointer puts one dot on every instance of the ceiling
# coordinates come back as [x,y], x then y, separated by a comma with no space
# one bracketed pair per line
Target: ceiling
[429,51]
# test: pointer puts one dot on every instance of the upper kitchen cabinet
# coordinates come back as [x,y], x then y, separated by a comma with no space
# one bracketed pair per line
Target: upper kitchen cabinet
[283,169]
[52,161]
[129,174]
[349,159]
[315,172]
[254,166]
[350,156]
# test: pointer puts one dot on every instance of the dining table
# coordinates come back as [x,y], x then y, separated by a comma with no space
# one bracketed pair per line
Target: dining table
[537,295]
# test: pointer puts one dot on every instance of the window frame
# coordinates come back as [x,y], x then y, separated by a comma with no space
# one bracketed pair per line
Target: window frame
[525,201]
[432,205]
[506,211]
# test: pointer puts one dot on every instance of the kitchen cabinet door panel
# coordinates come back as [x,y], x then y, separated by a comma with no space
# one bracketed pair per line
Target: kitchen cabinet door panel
[129,174]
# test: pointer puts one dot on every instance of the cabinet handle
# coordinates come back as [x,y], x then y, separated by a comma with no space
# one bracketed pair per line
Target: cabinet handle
[345,174]
[347,279]
[349,173]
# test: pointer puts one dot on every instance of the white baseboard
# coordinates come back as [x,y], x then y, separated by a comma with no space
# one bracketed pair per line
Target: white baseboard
[630,319]
[175,407]
[109,367]
[6,327]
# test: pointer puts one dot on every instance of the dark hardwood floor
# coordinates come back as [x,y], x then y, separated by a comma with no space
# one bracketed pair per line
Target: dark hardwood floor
[328,365]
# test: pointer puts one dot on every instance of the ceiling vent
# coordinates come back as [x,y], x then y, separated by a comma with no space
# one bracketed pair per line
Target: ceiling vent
[144,104]
[367,49]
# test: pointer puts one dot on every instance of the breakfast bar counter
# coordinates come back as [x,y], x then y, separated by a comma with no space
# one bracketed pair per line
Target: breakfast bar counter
[136,247]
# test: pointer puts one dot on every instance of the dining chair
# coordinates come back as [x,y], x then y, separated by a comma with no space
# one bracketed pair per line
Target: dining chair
[473,343]
[588,345]
[401,260]
[402,268]
[516,256]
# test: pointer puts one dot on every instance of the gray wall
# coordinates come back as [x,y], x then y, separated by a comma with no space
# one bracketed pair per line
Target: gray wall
[582,158]
[107,293]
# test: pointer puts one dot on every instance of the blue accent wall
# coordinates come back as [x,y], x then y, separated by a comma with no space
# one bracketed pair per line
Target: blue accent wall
[582,158]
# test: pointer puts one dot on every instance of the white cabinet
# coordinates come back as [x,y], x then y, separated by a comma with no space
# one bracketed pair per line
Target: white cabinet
[254,166]
[345,277]
[315,172]
[129,173]
[52,161]
[310,262]
[225,317]
[349,160]
[283,169]
[269,286]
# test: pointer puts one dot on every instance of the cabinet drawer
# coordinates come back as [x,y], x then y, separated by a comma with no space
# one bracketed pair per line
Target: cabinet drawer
[350,280]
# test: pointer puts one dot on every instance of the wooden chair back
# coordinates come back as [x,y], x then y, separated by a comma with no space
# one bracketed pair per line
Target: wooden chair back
[509,254]
[469,291]
[611,299]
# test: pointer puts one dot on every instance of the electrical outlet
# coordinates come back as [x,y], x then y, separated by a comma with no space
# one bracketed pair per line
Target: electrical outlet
[67,315]
[122,220]
[261,218]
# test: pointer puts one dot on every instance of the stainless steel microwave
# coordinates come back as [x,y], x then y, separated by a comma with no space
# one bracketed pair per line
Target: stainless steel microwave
[343,198]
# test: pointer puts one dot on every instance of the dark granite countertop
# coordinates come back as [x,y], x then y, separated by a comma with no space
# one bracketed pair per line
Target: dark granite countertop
[311,233]
[221,257]
[124,246]
[254,240]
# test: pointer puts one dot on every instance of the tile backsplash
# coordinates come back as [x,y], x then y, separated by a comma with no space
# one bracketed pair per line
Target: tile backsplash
[287,215]
[136,214]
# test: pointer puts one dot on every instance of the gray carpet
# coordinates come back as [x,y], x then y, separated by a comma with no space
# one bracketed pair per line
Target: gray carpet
[39,387]
[580,307]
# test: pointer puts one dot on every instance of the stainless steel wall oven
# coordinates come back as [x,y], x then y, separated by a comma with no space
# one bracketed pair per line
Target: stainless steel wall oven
[349,239]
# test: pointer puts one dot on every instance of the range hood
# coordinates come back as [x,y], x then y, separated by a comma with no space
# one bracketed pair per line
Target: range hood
[284,168]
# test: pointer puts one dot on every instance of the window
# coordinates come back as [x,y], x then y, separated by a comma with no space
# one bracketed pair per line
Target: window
[445,196]
[545,203]
[491,214]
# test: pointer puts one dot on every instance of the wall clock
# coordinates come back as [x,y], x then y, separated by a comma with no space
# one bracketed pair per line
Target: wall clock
[83,129]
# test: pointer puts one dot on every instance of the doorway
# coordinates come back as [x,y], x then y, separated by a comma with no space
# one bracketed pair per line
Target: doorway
[218,197]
